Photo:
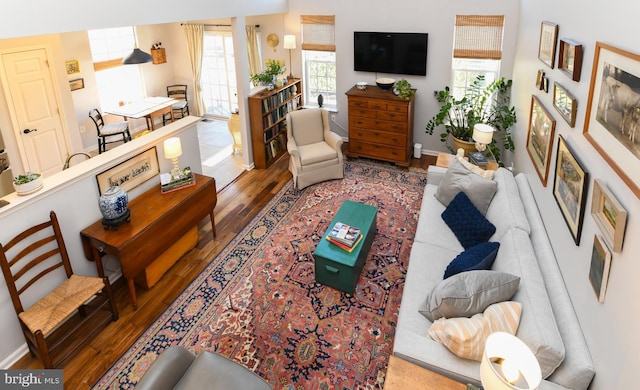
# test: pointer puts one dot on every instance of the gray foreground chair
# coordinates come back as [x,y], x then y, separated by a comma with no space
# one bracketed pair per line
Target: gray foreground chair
[177,368]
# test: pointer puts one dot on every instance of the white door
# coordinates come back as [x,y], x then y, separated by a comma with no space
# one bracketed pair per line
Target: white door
[33,104]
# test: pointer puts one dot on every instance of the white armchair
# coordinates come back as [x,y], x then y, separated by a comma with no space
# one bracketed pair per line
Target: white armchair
[316,152]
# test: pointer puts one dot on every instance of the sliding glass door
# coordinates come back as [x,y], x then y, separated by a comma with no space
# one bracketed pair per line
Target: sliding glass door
[218,74]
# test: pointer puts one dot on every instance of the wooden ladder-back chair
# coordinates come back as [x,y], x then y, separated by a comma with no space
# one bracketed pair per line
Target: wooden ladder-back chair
[60,323]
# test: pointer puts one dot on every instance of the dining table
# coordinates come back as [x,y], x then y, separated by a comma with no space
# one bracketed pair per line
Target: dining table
[148,108]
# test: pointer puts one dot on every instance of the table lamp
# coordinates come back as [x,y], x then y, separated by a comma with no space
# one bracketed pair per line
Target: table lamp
[483,135]
[289,43]
[173,150]
[508,364]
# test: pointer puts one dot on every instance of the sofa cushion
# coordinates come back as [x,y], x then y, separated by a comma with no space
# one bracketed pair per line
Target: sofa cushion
[538,328]
[478,257]
[577,369]
[465,337]
[506,210]
[458,178]
[468,293]
[466,222]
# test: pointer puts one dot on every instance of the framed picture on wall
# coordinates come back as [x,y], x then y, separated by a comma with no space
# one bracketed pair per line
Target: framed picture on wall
[570,58]
[547,44]
[130,173]
[565,104]
[570,188]
[599,269]
[540,138]
[609,215]
[609,125]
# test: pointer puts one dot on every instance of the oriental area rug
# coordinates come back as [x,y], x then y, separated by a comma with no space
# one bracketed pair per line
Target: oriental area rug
[258,302]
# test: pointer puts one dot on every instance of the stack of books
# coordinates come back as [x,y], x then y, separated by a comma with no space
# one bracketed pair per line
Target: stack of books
[344,236]
[478,158]
[169,184]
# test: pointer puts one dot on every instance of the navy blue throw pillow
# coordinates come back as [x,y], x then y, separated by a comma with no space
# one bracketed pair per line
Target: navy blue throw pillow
[466,222]
[479,257]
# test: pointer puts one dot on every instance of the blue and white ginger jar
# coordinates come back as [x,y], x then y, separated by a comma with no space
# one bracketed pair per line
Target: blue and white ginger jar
[113,203]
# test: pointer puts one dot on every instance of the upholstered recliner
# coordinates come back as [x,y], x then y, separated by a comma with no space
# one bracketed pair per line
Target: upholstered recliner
[316,152]
[177,368]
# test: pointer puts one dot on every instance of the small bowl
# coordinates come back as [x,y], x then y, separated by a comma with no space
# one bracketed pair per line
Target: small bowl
[385,82]
[361,85]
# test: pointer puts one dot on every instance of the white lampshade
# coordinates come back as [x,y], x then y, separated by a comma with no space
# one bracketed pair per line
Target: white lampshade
[508,364]
[172,148]
[482,133]
[289,42]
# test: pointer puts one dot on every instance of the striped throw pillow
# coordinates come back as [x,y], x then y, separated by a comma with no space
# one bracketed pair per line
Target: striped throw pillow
[465,337]
[486,173]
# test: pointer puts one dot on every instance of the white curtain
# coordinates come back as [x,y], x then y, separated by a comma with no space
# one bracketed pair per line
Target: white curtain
[252,50]
[195,42]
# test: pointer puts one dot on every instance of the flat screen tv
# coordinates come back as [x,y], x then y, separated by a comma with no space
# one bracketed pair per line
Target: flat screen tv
[385,52]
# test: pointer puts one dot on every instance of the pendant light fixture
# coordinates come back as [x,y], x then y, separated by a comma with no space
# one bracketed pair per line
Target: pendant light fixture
[137,56]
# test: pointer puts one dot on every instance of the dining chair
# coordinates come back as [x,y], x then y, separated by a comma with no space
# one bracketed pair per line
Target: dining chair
[181,108]
[73,309]
[109,130]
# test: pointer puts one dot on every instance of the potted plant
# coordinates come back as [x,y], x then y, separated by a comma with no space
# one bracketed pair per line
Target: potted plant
[268,76]
[27,183]
[403,89]
[483,103]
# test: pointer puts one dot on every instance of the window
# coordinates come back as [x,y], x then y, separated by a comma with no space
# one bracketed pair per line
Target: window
[477,49]
[219,89]
[319,59]
[115,82]
[320,77]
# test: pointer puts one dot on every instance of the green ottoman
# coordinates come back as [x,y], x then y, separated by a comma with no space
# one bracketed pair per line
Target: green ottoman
[336,267]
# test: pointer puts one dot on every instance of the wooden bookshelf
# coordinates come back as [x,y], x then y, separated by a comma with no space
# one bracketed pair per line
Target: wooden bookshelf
[267,113]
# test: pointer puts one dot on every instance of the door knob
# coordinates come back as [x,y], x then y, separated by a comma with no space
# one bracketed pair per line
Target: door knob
[27,131]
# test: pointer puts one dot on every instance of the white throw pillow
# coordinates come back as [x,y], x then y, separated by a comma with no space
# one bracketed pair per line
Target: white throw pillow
[465,337]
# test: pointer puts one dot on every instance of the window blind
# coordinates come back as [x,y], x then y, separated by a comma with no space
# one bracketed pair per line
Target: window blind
[478,36]
[318,32]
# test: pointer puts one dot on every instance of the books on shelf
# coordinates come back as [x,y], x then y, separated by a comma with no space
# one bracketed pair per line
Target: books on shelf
[168,184]
[344,234]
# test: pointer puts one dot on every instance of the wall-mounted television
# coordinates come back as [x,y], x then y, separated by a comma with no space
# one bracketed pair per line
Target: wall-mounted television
[387,52]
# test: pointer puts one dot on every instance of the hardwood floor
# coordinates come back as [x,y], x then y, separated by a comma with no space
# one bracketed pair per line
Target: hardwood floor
[237,204]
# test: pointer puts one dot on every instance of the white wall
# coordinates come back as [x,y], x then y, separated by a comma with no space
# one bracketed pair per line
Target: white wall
[433,17]
[611,328]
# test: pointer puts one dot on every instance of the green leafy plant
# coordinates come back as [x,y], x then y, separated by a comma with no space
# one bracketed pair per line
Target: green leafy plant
[23,179]
[483,103]
[274,68]
[404,90]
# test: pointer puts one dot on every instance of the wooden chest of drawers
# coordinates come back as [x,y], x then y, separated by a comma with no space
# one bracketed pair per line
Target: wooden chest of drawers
[380,125]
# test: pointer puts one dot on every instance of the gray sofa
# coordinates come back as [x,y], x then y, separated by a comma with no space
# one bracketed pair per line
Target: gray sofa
[548,323]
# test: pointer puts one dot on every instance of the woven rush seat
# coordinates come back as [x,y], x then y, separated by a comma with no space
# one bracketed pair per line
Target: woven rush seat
[46,314]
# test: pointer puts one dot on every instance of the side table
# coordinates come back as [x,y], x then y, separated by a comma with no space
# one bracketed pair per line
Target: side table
[402,375]
[159,224]
[444,159]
